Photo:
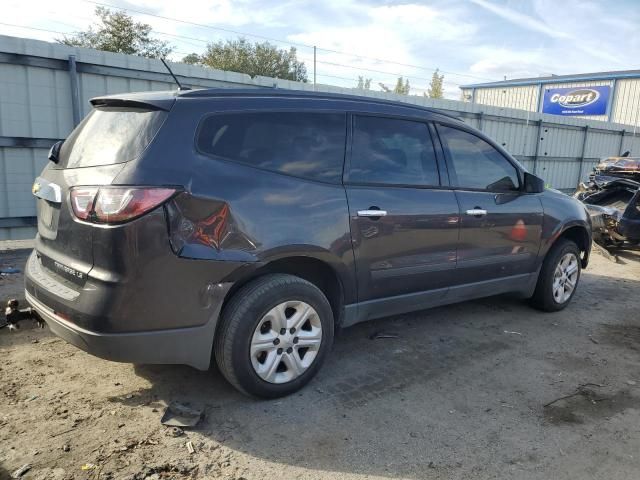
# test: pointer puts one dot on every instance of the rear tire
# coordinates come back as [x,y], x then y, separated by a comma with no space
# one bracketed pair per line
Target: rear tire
[558,278]
[274,335]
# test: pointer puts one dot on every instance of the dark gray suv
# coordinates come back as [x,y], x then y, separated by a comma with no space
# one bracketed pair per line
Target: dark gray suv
[249,225]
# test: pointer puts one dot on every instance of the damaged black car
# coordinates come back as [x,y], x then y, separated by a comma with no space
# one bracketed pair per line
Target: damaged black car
[612,198]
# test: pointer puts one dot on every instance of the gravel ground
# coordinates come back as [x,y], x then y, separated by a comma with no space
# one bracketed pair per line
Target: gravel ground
[473,390]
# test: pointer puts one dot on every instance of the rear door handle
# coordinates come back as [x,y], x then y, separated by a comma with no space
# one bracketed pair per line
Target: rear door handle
[476,212]
[372,213]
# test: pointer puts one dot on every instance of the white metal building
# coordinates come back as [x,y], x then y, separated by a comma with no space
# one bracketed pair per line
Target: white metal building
[606,96]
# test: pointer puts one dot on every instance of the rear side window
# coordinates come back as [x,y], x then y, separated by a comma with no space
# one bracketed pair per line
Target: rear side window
[476,164]
[110,135]
[309,145]
[393,152]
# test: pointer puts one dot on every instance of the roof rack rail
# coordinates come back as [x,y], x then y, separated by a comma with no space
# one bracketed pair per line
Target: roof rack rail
[211,92]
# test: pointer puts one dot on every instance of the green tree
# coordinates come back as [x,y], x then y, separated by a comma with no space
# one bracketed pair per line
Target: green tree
[192,59]
[402,87]
[363,83]
[435,87]
[254,59]
[118,32]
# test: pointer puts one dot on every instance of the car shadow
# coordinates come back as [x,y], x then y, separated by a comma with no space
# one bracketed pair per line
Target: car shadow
[379,406]
[4,473]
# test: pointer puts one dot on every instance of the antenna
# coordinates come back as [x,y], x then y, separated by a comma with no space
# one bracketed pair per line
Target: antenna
[175,79]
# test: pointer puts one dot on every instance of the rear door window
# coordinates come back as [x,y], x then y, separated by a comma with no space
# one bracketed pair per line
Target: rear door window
[308,145]
[110,135]
[392,151]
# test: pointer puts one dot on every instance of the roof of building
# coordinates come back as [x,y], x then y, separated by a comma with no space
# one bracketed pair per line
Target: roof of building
[558,79]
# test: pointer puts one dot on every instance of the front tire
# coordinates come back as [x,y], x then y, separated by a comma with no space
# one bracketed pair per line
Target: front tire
[274,335]
[558,278]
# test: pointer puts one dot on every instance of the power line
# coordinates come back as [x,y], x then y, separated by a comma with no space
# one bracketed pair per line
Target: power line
[324,62]
[187,53]
[59,32]
[272,39]
[378,71]
[34,28]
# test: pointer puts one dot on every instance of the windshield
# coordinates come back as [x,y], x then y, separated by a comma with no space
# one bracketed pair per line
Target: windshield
[110,135]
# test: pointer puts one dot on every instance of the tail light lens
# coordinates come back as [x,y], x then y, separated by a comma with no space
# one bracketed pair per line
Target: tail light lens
[110,205]
[82,200]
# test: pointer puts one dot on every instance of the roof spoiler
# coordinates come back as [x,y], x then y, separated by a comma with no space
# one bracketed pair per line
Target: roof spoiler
[127,102]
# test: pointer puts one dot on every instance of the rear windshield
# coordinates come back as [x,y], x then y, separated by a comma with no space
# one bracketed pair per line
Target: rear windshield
[110,135]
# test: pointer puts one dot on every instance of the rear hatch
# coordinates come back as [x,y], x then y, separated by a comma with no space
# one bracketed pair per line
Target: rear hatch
[116,131]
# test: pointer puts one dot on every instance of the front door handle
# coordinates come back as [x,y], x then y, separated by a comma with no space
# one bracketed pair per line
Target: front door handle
[476,212]
[372,213]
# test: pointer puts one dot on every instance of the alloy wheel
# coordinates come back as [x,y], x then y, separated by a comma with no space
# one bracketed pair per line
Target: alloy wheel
[565,277]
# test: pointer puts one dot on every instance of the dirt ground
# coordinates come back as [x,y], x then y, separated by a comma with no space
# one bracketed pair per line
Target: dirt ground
[467,391]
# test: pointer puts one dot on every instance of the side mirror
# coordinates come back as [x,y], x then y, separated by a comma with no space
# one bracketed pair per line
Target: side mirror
[54,152]
[533,184]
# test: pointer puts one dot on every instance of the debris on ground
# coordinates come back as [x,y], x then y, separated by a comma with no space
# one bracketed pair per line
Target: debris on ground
[175,432]
[181,415]
[14,315]
[190,447]
[165,471]
[21,471]
[380,335]
[512,333]
[580,390]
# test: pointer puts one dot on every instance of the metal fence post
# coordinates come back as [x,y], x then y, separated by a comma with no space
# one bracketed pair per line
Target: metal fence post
[540,98]
[537,153]
[620,152]
[480,117]
[612,100]
[584,151]
[75,92]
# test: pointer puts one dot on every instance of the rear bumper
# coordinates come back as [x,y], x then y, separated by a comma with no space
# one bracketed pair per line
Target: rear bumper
[189,346]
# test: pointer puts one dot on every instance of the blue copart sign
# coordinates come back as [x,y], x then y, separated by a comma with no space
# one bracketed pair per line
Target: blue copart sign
[576,101]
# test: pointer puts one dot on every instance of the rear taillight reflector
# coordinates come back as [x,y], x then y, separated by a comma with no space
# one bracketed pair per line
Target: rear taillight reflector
[116,204]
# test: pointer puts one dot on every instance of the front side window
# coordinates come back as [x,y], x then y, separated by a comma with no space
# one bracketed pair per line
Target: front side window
[309,145]
[475,163]
[393,152]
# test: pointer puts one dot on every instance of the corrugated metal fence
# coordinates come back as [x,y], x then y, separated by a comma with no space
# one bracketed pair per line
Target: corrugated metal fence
[45,88]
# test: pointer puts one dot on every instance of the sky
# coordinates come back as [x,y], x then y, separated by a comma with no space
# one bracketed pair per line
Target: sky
[469,41]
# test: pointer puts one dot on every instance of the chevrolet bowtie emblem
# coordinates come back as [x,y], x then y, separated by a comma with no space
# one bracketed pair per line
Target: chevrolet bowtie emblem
[36,188]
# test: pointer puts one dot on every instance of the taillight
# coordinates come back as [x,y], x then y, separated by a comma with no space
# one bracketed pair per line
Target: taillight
[116,204]
[82,200]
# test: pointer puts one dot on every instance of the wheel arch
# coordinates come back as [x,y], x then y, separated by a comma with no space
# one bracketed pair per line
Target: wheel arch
[579,234]
[316,271]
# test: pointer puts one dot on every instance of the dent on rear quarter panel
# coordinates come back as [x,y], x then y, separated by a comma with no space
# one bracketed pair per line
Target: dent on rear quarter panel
[207,229]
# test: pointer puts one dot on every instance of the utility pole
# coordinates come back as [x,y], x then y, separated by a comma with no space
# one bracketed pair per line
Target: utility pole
[314,67]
